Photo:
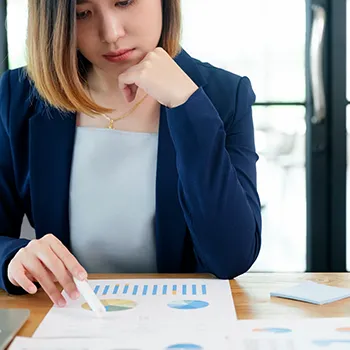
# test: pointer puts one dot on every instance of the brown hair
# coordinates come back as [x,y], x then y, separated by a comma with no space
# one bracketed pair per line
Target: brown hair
[57,69]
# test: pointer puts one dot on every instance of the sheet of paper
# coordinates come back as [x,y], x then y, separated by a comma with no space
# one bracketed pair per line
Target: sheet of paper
[142,307]
[189,342]
[312,292]
[270,344]
[292,343]
[308,334]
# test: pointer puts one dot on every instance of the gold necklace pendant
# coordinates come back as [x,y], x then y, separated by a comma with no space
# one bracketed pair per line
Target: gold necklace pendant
[111,122]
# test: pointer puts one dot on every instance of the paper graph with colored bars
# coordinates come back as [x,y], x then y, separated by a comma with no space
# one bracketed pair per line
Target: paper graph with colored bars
[147,289]
[149,309]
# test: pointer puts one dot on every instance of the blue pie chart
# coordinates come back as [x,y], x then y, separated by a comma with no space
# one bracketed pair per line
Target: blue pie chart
[188,304]
[184,347]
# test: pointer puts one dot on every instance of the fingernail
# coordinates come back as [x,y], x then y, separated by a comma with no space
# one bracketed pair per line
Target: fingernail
[61,303]
[75,295]
[82,275]
[32,290]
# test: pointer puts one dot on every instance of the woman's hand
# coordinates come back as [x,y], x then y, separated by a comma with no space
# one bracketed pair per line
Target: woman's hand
[160,77]
[46,261]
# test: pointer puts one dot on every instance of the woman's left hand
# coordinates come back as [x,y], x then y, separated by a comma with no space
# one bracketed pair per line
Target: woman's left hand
[160,77]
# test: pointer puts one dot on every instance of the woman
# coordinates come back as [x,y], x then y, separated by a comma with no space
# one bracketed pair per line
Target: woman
[126,154]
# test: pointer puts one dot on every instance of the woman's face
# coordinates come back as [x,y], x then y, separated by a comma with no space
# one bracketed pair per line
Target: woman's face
[106,28]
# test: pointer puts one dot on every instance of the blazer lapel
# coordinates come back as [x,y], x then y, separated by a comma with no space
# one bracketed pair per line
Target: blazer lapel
[50,156]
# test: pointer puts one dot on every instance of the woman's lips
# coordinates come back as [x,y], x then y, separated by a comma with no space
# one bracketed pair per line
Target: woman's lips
[119,56]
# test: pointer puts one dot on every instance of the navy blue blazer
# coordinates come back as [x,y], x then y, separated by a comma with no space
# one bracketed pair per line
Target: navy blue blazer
[208,215]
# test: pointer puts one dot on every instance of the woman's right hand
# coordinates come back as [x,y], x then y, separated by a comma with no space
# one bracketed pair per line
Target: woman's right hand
[46,261]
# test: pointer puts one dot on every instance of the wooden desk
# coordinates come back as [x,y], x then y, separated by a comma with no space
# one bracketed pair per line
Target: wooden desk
[250,293]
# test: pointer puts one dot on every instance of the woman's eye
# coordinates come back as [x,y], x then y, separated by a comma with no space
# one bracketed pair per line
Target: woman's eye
[82,15]
[124,3]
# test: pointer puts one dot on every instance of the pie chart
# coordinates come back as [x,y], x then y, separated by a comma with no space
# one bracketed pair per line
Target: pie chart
[188,304]
[184,347]
[114,305]
[273,330]
[343,329]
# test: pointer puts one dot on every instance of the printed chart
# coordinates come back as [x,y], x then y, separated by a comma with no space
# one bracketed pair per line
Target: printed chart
[146,289]
[26,343]
[310,334]
[273,330]
[184,347]
[188,304]
[343,330]
[114,305]
[147,308]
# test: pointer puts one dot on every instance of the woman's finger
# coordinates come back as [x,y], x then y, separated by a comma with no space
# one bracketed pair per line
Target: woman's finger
[18,277]
[35,267]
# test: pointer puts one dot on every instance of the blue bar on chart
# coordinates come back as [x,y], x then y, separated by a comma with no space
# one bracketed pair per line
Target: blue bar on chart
[125,290]
[155,288]
[194,289]
[204,289]
[96,289]
[105,290]
[134,292]
[165,288]
[174,289]
[115,290]
[145,289]
[184,289]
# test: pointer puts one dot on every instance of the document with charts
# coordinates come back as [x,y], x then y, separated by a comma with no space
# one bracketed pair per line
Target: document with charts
[293,334]
[162,342]
[146,307]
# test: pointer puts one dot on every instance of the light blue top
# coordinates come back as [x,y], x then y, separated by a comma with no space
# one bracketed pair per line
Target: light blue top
[112,200]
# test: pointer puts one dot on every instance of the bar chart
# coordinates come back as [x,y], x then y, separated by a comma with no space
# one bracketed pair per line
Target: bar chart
[138,289]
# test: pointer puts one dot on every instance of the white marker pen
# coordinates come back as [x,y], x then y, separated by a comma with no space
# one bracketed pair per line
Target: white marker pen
[90,297]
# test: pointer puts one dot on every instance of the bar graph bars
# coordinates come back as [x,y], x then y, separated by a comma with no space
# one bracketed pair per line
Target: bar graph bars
[115,290]
[155,289]
[105,290]
[145,289]
[129,289]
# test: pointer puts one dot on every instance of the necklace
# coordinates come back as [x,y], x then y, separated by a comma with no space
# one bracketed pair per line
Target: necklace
[126,114]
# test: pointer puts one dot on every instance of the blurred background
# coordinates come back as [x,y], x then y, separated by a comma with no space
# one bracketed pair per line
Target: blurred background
[294,53]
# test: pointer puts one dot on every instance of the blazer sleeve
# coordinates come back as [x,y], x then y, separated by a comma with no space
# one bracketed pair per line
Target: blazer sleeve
[217,181]
[11,211]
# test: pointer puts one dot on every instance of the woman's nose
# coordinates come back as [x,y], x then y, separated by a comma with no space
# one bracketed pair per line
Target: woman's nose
[111,29]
